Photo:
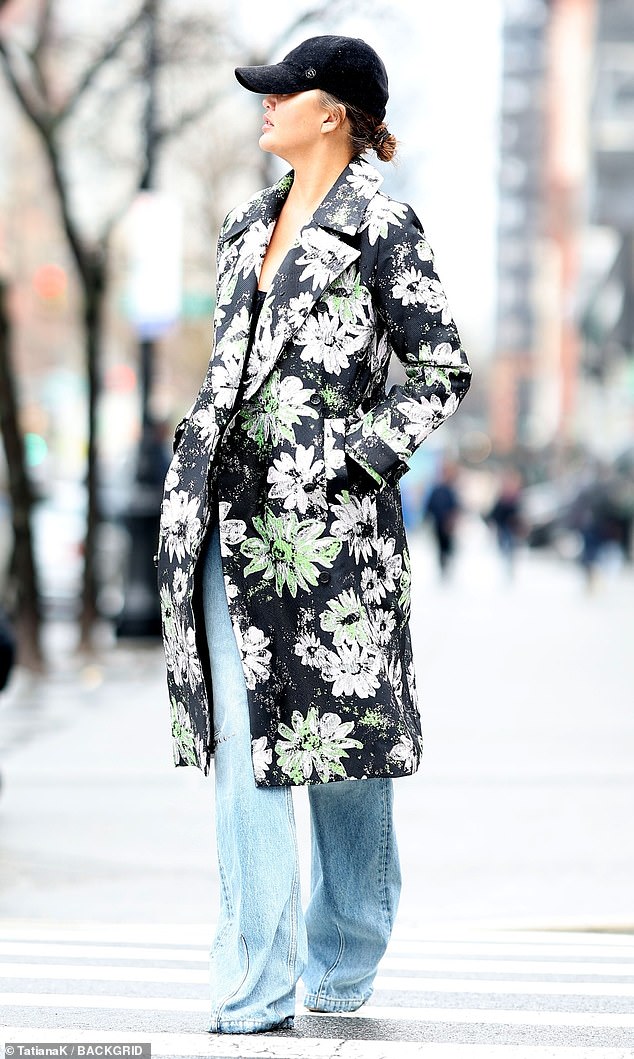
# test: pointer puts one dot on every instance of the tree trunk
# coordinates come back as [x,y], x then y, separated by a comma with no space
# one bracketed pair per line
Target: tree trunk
[94,287]
[23,571]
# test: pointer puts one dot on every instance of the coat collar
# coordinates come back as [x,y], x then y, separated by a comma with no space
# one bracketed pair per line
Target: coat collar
[342,209]
[318,257]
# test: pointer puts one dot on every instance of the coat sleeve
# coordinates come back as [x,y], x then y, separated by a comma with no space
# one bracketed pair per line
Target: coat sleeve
[412,306]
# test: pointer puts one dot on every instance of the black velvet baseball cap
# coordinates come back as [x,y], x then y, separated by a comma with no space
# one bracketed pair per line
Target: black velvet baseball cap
[346,67]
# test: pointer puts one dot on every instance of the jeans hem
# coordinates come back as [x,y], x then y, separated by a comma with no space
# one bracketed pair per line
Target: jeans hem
[253,1026]
[319,1002]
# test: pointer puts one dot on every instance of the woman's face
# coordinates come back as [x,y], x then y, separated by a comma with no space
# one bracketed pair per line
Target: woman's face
[293,123]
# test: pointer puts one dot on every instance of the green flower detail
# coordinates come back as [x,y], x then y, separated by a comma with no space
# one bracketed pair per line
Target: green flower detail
[278,407]
[346,295]
[332,398]
[314,744]
[347,619]
[374,719]
[289,550]
[182,733]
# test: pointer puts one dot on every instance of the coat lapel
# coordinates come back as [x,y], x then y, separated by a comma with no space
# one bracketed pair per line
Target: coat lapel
[320,254]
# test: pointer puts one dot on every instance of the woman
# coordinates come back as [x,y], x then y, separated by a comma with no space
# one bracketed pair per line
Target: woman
[283,565]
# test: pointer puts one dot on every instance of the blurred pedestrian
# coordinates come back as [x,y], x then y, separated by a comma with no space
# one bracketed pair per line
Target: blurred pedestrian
[442,508]
[506,518]
[7,649]
[283,563]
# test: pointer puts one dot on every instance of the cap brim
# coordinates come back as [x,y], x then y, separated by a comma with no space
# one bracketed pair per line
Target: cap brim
[278,79]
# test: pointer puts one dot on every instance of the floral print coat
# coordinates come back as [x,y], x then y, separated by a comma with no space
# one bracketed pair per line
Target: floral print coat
[297,450]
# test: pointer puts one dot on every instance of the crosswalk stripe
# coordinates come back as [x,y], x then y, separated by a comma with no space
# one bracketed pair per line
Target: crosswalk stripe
[197,934]
[531,988]
[392,961]
[195,1044]
[183,976]
[498,1016]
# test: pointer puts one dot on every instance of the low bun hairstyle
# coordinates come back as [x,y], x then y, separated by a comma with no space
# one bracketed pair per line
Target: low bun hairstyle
[366,133]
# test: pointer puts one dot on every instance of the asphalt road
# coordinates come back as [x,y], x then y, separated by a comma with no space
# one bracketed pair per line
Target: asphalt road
[519,819]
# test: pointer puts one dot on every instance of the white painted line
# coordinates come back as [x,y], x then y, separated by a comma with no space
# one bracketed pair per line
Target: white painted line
[476,985]
[197,934]
[400,956]
[116,951]
[390,983]
[470,1016]
[261,1045]
[504,949]
[485,966]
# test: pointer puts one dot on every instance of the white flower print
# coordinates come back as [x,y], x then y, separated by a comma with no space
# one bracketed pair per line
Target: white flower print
[380,214]
[355,523]
[254,242]
[383,624]
[232,530]
[403,753]
[230,588]
[334,446]
[181,652]
[320,258]
[372,587]
[411,287]
[353,670]
[436,300]
[180,523]
[297,309]
[314,744]
[394,673]
[346,617]
[423,250]
[423,415]
[294,478]
[310,650]
[262,756]
[190,660]
[279,406]
[182,732]
[172,478]
[256,658]
[362,180]
[411,683]
[179,586]
[329,342]
[205,420]
[388,564]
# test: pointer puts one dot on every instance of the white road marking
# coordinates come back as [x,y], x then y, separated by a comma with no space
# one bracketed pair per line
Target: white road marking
[497,1016]
[391,983]
[261,1045]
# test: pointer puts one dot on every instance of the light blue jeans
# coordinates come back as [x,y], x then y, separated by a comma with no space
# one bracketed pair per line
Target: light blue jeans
[263,942]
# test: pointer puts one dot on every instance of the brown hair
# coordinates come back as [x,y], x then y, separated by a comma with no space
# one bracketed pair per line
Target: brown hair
[366,133]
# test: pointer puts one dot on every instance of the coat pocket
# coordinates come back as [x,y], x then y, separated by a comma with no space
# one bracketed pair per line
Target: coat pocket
[335,456]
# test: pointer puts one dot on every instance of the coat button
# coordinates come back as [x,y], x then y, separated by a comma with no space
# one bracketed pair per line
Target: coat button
[324,578]
[309,487]
[315,399]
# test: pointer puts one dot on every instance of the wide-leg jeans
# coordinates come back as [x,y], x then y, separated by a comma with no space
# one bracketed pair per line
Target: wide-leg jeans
[264,943]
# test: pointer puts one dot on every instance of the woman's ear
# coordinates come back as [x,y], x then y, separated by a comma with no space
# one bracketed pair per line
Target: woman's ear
[334,118]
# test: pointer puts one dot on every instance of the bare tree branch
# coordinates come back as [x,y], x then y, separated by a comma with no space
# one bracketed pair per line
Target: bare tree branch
[34,112]
[41,41]
[109,52]
[188,117]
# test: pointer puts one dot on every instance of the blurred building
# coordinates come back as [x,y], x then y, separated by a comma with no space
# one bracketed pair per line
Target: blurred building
[563,373]
[606,305]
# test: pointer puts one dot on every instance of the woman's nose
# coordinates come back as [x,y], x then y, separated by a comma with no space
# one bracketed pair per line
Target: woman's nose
[268,102]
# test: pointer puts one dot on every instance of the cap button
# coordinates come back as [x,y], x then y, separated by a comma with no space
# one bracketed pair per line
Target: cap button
[311,72]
